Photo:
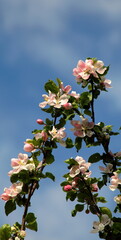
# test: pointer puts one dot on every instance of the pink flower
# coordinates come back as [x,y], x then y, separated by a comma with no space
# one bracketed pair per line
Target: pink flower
[85,69]
[48,99]
[107,169]
[82,129]
[74,94]
[114,181]
[80,167]
[12,192]
[65,89]
[21,163]
[55,100]
[43,135]
[67,188]
[28,147]
[40,121]
[59,134]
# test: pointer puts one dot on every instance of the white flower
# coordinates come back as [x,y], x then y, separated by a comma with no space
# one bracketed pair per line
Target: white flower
[99,226]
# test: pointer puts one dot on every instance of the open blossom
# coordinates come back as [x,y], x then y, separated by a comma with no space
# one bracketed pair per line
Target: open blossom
[106,83]
[58,134]
[99,226]
[21,163]
[107,169]
[55,100]
[81,167]
[82,128]
[12,191]
[114,181]
[87,68]
[48,99]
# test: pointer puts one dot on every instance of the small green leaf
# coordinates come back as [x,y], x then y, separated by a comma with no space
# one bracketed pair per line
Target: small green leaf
[10,206]
[96,157]
[49,159]
[88,112]
[50,175]
[31,221]
[78,143]
[69,143]
[73,213]
[71,161]
[106,210]
[51,86]
[79,207]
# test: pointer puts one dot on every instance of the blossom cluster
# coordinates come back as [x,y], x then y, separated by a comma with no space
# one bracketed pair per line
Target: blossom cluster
[91,67]
[80,167]
[61,99]
[82,128]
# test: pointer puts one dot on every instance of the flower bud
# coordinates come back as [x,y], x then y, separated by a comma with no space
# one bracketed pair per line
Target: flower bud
[67,188]
[94,187]
[67,106]
[22,233]
[40,121]
[28,147]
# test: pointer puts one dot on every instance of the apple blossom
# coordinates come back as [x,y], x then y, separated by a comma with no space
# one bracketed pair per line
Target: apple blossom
[55,100]
[82,129]
[80,167]
[48,99]
[42,135]
[21,164]
[12,191]
[99,226]
[107,169]
[114,181]
[65,89]
[84,70]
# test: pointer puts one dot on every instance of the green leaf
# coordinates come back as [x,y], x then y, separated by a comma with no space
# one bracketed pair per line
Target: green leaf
[79,207]
[101,199]
[78,143]
[85,99]
[96,157]
[31,221]
[50,175]
[69,143]
[5,232]
[73,213]
[10,206]
[51,86]
[71,161]
[106,210]
[49,159]
[88,112]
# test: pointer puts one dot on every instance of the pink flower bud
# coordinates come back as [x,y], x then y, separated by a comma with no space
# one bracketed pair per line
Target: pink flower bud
[67,106]
[94,187]
[28,147]
[40,121]
[67,188]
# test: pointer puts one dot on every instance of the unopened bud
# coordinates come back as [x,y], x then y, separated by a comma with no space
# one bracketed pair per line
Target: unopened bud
[40,121]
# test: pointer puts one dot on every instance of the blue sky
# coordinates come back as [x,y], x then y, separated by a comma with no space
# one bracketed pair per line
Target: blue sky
[41,40]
